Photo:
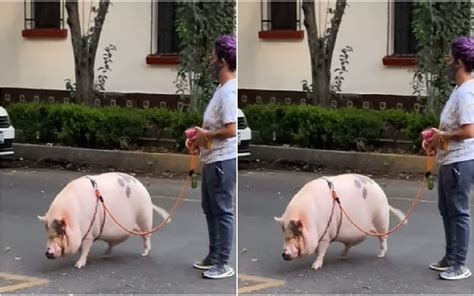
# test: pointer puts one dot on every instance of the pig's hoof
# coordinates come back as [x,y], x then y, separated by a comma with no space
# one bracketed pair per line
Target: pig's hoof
[317,265]
[80,264]
[381,255]
[145,253]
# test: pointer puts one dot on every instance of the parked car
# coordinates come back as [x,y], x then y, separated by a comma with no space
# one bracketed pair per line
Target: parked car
[244,135]
[7,133]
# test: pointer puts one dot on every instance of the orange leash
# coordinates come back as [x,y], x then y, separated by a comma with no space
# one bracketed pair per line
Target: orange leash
[179,201]
[429,168]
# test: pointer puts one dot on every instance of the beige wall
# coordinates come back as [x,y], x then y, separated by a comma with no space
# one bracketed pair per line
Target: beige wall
[46,63]
[281,65]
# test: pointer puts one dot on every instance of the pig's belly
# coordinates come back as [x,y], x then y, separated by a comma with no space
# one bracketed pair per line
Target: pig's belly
[348,233]
[350,236]
[114,238]
[113,232]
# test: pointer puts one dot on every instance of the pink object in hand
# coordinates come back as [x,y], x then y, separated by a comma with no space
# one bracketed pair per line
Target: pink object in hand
[427,134]
[191,133]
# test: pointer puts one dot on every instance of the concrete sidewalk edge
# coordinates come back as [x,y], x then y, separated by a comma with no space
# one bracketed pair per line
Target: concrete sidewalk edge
[374,162]
[133,160]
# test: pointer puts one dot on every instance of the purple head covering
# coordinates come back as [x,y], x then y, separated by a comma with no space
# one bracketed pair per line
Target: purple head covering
[226,48]
[462,48]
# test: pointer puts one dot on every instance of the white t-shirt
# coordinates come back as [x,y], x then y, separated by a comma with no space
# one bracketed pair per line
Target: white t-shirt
[458,111]
[221,110]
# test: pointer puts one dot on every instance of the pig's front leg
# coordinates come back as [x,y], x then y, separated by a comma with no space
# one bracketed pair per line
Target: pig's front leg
[85,247]
[322,248]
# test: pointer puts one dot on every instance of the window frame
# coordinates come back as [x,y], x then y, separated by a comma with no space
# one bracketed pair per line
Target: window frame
[154,57]
[266,30]
[391,59]
[31,31]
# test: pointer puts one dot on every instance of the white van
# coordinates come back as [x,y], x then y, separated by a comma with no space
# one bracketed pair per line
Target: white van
[244,135]
[7,133]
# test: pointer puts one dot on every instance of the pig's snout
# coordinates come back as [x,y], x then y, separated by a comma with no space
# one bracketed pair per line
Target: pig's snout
[49,254]
[286,256]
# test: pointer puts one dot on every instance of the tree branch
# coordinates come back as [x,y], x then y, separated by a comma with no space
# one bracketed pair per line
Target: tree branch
[335,23]
[310,17]
[74,25]
[98,24]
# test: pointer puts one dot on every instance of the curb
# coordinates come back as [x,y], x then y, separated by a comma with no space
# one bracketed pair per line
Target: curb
[343,160]
[143,161]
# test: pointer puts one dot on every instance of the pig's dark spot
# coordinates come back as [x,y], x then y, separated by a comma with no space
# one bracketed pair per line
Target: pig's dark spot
[357,183]
[364,179]
[58,226]
[295,227]
[120,181]
[364,193]
[128,178]
[128,191]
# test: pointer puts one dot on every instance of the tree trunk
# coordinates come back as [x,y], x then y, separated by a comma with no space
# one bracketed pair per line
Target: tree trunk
[312,31]
[85,49]
[321,50]
[322,89]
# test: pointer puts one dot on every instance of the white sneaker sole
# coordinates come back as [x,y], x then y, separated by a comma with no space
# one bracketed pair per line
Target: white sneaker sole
[438,268]
[200,267]
[221,276]
[459,277]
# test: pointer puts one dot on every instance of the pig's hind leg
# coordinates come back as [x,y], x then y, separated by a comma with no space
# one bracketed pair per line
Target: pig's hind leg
[381,224]
[145,224]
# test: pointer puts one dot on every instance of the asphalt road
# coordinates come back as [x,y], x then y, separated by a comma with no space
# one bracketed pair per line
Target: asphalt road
[263,195]
[25,193]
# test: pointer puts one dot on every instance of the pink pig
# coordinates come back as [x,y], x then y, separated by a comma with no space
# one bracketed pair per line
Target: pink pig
[72,225]
[308,227]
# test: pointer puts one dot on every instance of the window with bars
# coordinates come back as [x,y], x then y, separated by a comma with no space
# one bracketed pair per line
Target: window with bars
[404,42]
[167,36]
[280,15]
[40,14]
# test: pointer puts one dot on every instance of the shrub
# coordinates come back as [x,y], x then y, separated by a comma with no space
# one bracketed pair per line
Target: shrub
[416,124]
[107,127]
[340,129]
[396,122]
[180,121]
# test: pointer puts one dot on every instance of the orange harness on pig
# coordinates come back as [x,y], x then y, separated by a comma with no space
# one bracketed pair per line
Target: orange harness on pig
[178,202]
[429,169]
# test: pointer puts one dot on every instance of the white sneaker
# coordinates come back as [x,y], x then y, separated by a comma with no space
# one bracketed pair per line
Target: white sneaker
[219,272]
[455,273]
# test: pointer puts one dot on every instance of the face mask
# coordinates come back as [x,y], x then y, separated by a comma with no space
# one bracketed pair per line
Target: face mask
[452,70]
[215,70]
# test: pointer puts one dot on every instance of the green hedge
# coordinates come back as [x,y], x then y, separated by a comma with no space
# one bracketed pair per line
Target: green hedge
[107,127]
[303,126]
[339,129]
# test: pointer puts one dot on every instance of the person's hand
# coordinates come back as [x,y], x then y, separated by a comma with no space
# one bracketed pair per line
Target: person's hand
[191,145]
[425,145]
[437,134]
[201,134]
[428,147]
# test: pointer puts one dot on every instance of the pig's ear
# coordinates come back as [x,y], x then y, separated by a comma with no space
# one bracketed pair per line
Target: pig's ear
[296,227]
[278,219]
[42,218]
